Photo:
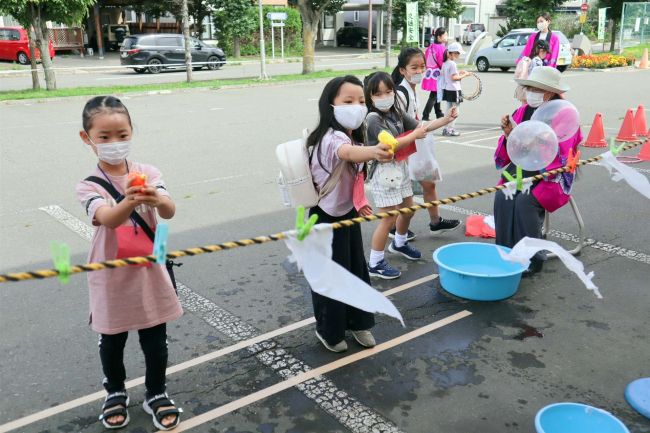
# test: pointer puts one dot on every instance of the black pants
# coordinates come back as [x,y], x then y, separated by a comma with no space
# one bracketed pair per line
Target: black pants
[517,218]
[432,102]
[333,318]
[154,345]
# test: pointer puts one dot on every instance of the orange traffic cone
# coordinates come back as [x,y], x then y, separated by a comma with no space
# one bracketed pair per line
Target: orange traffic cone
[640,125]
[644,60]
[627,131]
[596,137]
[644,155]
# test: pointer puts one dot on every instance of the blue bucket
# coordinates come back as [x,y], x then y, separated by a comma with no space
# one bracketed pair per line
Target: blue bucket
[577,418]
[474,270]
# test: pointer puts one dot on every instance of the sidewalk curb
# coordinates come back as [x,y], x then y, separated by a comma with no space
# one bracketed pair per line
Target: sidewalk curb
[617,69]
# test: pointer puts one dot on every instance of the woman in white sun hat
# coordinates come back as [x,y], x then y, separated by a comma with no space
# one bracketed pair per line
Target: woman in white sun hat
[523,214]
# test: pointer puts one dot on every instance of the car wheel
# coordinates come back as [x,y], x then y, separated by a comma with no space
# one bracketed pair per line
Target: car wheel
[22,58]
[214,63]
[562,68]
[155,66]
[140,70]
[482,64]
[504,69]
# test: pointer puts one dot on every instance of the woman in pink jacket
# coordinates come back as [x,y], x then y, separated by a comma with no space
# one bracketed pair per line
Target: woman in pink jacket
[433,57]
[523,215]
[544,33]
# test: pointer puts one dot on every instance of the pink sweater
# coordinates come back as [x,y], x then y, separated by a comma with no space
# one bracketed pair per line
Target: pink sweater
[551,56]
[434,60]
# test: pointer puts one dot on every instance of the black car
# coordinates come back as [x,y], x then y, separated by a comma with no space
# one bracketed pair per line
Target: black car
[353,37]
[155,52]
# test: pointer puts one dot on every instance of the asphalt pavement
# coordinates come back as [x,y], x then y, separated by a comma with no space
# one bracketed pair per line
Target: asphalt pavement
[458,366]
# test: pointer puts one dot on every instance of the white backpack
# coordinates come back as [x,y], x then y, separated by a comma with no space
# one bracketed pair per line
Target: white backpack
[295,180]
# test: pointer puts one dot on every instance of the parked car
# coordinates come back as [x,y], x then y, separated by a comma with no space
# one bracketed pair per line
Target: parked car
[114,35]
[155,52]
[353,37]
[471,32]
[14,45]
[505,51]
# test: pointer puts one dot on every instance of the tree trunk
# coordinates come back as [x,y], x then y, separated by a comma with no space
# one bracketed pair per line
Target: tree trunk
[389,36]
[236,47]
[612,45]
[42,42]
[36,84]
[188,45]
[310,21]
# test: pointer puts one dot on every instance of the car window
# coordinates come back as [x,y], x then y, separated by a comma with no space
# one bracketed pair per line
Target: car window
[146,41]
[521,41]
[197,42]
[14,35]
[168,41]
[508,41]
[4,35]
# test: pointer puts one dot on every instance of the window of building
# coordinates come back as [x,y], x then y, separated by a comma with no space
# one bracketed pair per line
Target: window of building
[468,16]
[329,21]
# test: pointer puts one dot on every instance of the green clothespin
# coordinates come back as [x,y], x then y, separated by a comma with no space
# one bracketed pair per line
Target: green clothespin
[518,179]
[613,148]
[303,228]
[61,258]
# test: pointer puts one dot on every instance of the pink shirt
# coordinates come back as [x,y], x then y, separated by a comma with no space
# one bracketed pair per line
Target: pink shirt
[434,60]
[129,298]
[551,56]
[340,200]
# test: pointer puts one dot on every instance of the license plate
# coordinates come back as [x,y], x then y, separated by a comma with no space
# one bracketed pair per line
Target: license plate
[560,62]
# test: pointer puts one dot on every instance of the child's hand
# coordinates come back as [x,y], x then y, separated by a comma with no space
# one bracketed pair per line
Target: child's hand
[421,131]
[451,115]
[506,125]
[148,195]
[463,73]
[132,193]
[382,152]
[365,211]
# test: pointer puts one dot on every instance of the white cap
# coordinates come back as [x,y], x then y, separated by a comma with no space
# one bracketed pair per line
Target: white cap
[455,47]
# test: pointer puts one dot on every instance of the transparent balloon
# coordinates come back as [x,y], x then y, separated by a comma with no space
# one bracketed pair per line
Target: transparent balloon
[532,145]
[561,115]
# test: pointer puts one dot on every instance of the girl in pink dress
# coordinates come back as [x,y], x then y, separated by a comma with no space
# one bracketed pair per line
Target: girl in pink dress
[434,61]
[131,298]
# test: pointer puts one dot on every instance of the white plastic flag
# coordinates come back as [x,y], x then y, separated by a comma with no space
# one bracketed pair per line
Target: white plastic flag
[619,171]
[326,277]
[528,247]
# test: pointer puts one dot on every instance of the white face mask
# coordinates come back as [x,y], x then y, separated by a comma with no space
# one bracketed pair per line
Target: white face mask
[350,116]
[384,104]
[542,26]
[534,99]
[112,153]
[415,79]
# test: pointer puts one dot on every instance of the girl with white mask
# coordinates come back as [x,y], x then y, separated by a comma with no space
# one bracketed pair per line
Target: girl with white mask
[337,151]
[134,298]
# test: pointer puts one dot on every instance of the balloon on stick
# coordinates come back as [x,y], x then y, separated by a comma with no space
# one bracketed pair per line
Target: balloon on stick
[561,115]
[532,145]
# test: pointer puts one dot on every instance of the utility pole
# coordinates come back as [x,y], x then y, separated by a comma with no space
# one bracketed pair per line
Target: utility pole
[263,74]
[186,37]
[389,35]
[370,26]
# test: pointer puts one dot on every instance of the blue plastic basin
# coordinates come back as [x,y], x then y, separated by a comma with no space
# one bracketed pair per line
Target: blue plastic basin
[577,418]
[473,270]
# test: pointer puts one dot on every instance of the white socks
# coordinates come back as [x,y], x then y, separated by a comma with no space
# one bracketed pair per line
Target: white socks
[375,257]
[400,240]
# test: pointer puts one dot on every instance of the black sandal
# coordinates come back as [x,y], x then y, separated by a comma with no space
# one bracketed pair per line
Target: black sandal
[115,405]
[152,406]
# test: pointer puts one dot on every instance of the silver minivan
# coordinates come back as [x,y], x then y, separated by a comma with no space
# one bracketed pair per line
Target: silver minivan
[504,52]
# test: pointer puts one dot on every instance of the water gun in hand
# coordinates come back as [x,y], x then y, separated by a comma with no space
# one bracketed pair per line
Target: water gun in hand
[137,179]
[387,138]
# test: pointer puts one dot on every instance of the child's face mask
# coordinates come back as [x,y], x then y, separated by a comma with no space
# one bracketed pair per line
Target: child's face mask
[112,153]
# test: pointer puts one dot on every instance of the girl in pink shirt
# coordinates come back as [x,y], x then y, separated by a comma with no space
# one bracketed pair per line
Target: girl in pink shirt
[434,61]
[131,298]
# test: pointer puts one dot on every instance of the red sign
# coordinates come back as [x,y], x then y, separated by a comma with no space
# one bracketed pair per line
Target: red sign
[584,7]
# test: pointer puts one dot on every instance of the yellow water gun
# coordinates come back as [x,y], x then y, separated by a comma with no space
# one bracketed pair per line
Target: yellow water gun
[387,138]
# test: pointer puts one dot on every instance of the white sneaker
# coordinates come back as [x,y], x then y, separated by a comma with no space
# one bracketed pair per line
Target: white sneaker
[364,338]
[339,347]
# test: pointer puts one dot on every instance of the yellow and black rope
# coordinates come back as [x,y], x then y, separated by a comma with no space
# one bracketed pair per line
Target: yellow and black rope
[195,251]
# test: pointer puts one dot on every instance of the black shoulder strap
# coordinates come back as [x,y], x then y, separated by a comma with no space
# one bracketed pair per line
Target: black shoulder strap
[118,198]
[406,95]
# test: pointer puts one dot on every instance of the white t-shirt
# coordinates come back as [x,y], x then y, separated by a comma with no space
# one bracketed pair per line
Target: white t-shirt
[449,69]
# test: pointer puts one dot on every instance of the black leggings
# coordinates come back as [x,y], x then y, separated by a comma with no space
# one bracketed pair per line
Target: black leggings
[154,345]
[432,102]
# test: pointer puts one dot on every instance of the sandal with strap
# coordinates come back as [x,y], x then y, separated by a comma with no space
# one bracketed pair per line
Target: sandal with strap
[115,405]
[152,407]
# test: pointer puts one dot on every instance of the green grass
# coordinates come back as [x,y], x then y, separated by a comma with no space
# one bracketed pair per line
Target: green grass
[637,51]
[12,66]
[213,84]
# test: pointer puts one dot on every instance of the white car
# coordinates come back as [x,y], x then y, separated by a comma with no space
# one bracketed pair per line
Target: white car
[504,52]
[471,32]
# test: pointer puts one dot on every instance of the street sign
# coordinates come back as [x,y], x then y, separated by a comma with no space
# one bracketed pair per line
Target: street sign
[277,24]
[584,7]
[412,22]
[583,18]
[601,23]
[277,16]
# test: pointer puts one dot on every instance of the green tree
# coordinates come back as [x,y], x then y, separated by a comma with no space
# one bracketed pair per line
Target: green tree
[523,13]
[614,13]
[36,13]
[234,21]
[311,12]
[448,9]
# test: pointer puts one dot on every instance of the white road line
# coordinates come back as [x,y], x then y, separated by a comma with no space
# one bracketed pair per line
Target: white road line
[339,404]
[592,243]
[217,108]
[460,143]
[316,374]
[70,221]
[478,131]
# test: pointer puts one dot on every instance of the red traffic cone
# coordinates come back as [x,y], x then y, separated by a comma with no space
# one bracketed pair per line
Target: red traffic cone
[596,137]
[627,131]
[644,155]
[640,125]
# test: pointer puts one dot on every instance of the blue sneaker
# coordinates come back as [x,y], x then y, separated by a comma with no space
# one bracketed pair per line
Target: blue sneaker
[406,250]
[384,270]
